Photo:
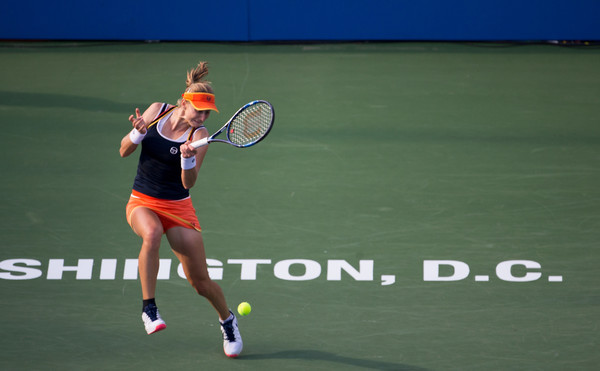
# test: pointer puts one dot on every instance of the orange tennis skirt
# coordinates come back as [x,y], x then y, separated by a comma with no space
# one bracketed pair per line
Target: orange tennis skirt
[178,213]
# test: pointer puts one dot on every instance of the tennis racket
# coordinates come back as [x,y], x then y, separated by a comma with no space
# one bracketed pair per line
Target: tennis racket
[248,126]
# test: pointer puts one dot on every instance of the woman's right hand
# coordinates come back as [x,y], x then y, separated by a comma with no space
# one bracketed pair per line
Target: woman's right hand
[138,122]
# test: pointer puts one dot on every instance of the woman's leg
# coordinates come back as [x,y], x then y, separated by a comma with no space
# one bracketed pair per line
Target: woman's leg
[188,245]
[189,248]
[146,224]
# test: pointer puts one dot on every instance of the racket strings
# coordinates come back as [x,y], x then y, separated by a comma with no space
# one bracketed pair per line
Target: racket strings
[251,124]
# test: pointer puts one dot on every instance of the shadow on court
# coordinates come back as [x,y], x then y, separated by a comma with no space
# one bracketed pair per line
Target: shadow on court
[317,355]
[21,99]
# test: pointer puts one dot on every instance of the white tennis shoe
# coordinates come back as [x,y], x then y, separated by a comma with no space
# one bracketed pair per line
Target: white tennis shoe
[152,320]
[232,340]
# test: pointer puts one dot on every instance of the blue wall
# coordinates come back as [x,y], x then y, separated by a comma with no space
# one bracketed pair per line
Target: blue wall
[269,20]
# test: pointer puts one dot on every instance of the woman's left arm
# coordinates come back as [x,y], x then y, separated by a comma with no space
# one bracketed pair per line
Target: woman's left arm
[192,158]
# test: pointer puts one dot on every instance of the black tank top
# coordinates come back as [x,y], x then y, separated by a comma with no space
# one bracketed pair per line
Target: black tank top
[159,167]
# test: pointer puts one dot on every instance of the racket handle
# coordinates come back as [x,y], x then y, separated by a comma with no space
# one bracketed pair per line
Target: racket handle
[199,143]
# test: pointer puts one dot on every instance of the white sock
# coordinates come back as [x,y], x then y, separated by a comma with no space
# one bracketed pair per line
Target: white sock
[228,318]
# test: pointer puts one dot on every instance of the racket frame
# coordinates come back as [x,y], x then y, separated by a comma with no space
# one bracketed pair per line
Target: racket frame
[207,140]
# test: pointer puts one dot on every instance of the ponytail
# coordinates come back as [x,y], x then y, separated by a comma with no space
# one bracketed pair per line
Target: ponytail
[196,80]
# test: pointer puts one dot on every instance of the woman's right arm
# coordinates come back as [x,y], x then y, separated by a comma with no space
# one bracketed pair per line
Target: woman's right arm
[130,141]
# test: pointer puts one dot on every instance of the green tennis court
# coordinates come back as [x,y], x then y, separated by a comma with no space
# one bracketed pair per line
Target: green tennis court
[417,206]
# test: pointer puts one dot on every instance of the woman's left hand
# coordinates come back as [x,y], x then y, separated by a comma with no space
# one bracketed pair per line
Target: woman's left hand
[187,150]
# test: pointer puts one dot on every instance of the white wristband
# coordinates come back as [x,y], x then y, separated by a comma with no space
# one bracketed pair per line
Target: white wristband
[188,163]
[136,137]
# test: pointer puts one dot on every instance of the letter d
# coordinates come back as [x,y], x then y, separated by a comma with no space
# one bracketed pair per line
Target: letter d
[431,270]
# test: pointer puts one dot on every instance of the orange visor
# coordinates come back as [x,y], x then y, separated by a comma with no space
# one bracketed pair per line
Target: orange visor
[201,101]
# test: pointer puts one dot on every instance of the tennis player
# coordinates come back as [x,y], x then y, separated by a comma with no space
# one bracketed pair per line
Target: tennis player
[160,202]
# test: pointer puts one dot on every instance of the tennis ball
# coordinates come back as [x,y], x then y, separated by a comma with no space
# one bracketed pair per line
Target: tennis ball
[244,309]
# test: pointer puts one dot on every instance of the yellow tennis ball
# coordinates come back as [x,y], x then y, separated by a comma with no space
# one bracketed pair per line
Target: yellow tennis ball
[244,309]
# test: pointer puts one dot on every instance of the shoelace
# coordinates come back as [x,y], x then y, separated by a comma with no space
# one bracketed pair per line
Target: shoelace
[228,333]
[151,311]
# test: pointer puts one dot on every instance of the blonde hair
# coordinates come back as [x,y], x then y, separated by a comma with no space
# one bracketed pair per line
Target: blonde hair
[196,80]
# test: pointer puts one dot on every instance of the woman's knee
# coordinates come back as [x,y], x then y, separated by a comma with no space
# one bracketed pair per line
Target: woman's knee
[151,241]
[153,236]
[146,224]
[203,286]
